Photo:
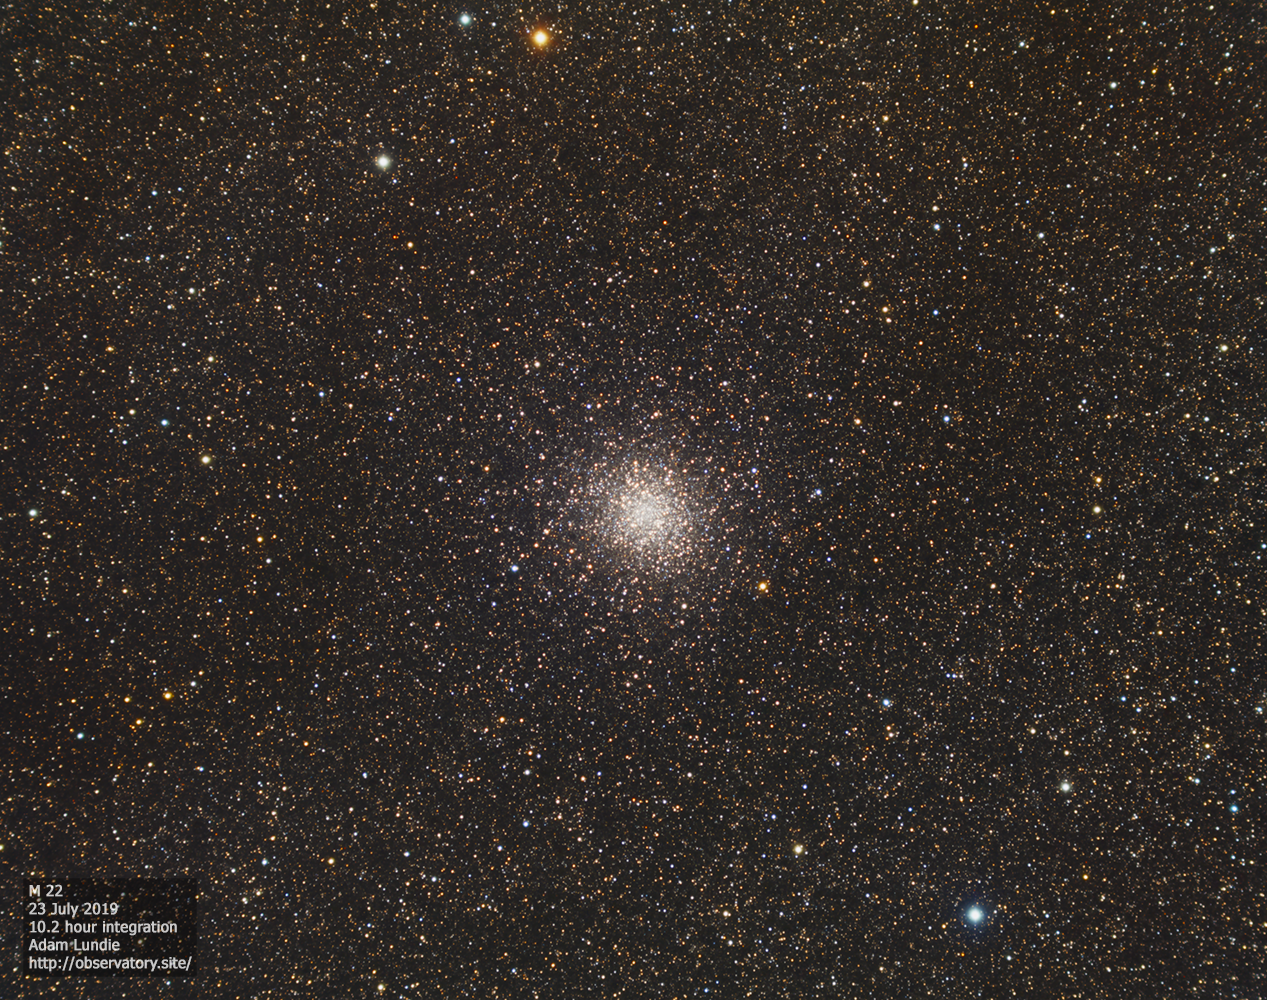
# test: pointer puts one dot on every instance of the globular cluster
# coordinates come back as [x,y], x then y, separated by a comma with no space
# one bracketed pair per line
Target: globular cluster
[634,518]
[642,500]
[647,508]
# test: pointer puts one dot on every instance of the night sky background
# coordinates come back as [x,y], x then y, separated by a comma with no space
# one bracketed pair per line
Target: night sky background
[641,499]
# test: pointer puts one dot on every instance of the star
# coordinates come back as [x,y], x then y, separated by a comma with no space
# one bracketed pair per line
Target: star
[975,914]
[541,37]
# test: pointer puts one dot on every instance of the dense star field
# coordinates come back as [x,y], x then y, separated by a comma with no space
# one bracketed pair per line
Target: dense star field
[642,500]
